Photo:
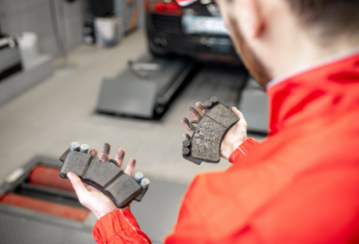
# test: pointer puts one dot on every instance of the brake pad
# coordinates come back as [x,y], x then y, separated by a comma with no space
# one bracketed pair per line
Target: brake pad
[205,143]
[106,177]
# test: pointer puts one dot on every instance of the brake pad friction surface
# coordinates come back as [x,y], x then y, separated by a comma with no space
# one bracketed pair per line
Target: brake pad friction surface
[205,143]
[223,115]
[76,163]
[129,189]
[106,177]
[102,174]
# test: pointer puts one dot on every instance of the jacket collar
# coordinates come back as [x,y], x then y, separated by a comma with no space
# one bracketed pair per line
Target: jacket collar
[330,87]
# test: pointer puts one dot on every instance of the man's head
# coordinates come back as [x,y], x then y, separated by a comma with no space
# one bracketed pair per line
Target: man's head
[275,37]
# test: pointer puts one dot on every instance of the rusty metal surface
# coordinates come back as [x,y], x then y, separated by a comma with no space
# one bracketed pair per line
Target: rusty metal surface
[106,177]
[205,143]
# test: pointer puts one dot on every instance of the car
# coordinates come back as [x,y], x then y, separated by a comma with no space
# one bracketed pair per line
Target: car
[189,28]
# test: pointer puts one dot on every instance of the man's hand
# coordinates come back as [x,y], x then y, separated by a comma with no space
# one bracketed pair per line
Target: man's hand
[92,198]
[234,137]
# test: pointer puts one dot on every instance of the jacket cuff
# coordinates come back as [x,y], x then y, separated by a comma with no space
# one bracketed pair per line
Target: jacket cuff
[243,150]
[114,224]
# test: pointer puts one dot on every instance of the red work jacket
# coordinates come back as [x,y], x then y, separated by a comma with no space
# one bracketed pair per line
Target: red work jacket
[301,185]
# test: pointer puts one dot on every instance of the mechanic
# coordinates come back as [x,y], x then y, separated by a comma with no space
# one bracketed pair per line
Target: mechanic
[301,185]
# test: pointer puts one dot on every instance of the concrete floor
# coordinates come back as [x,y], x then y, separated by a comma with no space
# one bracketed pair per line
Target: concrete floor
[47,118]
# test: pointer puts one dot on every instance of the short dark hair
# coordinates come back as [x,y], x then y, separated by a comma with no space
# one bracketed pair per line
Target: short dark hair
[333,16]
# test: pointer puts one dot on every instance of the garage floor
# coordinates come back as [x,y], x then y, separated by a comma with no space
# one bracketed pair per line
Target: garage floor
[46,118]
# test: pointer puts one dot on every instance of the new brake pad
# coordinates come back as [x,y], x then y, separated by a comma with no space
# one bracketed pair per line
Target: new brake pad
[106,177]
[205,143]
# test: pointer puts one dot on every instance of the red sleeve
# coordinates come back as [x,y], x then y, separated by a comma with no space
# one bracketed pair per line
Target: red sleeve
[119,226]
[243,150]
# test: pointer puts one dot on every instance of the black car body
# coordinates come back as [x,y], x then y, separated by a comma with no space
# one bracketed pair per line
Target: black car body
[195,30]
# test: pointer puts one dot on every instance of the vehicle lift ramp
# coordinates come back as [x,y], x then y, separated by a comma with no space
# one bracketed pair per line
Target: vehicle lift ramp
[146,88]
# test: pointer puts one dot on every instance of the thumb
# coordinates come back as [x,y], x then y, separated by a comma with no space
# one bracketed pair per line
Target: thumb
[242,120]
[77,184]
[238,113]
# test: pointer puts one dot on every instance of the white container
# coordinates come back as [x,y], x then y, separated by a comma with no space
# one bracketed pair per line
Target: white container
[29,49]
[108,31]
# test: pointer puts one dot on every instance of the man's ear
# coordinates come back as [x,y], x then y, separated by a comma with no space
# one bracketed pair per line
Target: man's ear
[251,19]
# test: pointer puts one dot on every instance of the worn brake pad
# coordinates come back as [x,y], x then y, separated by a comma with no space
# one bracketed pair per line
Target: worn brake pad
[205,143]
[106,177]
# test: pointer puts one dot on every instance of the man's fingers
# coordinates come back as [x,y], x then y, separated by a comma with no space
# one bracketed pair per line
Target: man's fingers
[237,112]
[201,107]
[77,184]
[120,156]
[242,120]
[195,113]
[186,137]
[185,122]
[93,153]
[105,152]
[130,166]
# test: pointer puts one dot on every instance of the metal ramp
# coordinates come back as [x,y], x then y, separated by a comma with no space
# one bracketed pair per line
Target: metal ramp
[146,88]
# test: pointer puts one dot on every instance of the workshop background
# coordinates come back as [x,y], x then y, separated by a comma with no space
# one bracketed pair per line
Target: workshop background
[118,71]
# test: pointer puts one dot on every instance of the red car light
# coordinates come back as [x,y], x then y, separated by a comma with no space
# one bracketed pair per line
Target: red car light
[160,6]
[173,6]
[163,8]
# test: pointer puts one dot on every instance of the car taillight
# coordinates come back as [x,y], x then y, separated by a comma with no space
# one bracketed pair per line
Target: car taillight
[171,8]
